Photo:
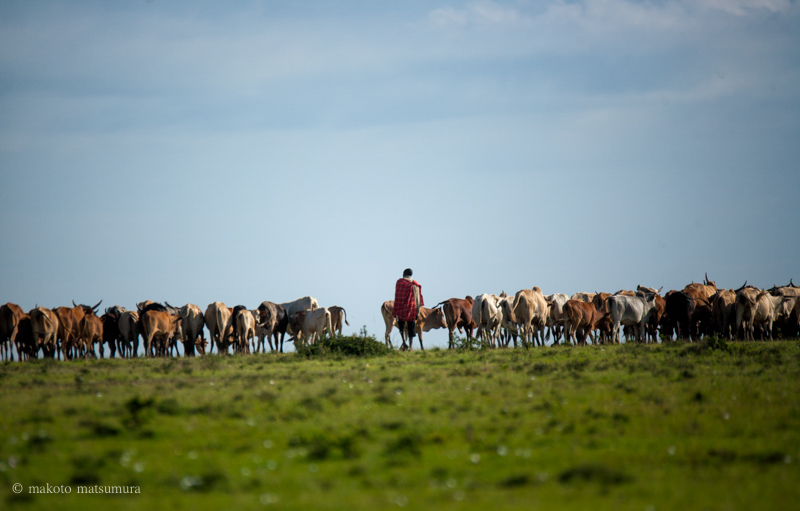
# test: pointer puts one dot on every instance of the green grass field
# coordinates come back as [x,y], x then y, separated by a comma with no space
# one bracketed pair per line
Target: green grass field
[680,426]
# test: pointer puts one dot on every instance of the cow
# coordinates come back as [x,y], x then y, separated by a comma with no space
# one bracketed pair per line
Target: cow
[91,332]
[580,318]
[702,318]
[69,332]
[192,321]
[245,331]
[723,306]
[583,297]
[158,327]
[555,318]
[784,308]
[44,328]
[23,338]
[706,290]
[630,310]
[110,333]
[788,290]
[487,318]
[679,308]
[338,316]
[301,304]
[599,301]
[129,331]
[747,298]
[427,319]
[531,311]
[458,314]
[9,318]
[308,324]
[272,323]
[220,326]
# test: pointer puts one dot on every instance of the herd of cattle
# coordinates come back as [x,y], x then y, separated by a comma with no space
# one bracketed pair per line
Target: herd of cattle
[530,316]
[643,315]
[75,332]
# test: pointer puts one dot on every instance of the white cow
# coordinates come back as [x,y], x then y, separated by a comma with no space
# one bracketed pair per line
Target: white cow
[301,304]
[630,311]
[192,322]
[487,317]
[555,318]
[310,323]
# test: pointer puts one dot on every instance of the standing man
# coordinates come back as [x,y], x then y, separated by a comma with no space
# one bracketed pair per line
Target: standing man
[407,301]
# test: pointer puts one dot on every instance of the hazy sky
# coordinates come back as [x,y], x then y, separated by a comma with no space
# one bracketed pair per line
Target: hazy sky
[248,151]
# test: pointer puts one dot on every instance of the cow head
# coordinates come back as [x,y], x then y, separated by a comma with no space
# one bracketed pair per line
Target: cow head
[88,309]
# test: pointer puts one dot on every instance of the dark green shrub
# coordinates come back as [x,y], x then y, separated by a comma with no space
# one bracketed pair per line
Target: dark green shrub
[350,346]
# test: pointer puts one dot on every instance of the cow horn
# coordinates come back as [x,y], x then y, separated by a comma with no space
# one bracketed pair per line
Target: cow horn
[706,282]
[743,285]
[73,303]
[791,283]
[97,305]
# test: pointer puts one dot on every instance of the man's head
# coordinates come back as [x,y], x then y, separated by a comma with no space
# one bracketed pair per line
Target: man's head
[407,272]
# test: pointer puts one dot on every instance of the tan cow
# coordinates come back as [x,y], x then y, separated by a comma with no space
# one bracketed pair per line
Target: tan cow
[158,327]
[747,299]
[44,327]
[220,326]
[531,311]
[723,306]
[245,331]
[427,319]
[583,297]
[338,316]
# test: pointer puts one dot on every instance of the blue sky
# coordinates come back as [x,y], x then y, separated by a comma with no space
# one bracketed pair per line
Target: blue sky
[203,151]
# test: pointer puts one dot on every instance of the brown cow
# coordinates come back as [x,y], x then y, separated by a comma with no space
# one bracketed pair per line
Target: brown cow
[69,319]
[427,319]
[458,314]
[23,338]
[583,317]
[158,327]
[44,326]
[10,313]
[91,332]
[706,290]
[272,322]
